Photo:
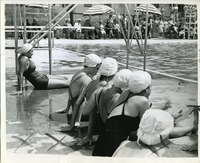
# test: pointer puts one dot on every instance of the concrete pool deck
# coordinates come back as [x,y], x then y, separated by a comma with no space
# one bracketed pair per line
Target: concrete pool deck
[28,114]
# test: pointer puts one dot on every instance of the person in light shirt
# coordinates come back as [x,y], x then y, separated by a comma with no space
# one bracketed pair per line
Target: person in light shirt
[77,26]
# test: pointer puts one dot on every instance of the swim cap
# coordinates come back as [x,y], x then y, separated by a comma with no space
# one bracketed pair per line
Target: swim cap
[121,78]
[108,67]
[139,80]
[25,48]
[154,123]
[91,60]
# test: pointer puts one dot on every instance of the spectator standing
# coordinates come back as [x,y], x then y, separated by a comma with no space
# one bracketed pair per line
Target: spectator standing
[88,33]
[68,31]
[161,26]
[116,29]
[162,10]
[102,32]
[35,23]
[28,33]
[137,28]
[109,29]
[150,26]
[166,29]
[175,30]
[124,23]
[143,27]
[193,31]
[111,18]
[77,33]
[170,21]
[56,31]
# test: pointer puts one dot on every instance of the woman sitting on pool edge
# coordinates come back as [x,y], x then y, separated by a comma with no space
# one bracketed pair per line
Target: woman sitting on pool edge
[27,69]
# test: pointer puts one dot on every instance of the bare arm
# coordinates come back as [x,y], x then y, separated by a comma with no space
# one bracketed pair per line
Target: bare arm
[180,131]
[66,110]
[76,107]
[68,103]
[23,62]
[145,105]
[89,107]
[22,67]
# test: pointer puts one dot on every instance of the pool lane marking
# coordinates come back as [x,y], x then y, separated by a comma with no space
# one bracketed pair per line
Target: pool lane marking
[58,141]
[23,141]
[164,74]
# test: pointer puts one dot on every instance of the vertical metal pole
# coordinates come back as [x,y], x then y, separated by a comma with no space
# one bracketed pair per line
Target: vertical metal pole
[16,38]
[128,50]
[189,25]
[140,48]
[145,44]
[24,18]
[124,36]
[49,41]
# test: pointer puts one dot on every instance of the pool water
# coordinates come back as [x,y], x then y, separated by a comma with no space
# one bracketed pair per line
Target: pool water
[179,59]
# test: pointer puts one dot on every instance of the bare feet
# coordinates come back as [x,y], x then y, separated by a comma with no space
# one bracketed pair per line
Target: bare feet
[62,111]
[65,129]
[193,147]
[85,141]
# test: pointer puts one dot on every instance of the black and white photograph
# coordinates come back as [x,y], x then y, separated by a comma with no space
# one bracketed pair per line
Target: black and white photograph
[99,79]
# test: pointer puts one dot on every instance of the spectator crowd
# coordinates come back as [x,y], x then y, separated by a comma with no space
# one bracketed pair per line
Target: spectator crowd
[110,29]
[157,27]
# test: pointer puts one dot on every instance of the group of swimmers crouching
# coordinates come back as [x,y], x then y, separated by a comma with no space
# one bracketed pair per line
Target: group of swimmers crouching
[116,102]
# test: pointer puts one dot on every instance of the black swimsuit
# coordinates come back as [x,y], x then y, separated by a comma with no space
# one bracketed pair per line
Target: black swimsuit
[35,78]
[118,128]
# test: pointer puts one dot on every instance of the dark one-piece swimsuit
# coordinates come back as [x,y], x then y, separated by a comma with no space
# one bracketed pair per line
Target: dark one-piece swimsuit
[38,80]
[118,128]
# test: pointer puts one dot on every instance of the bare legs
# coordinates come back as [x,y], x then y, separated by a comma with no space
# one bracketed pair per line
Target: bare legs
[58,82]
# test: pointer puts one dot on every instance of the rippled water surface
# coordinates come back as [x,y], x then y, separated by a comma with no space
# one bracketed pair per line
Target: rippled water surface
[177,59]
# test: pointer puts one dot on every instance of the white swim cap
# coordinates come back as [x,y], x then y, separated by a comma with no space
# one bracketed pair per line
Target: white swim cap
[108,67]
[121,78]
[154,123]
[25,48]
[91,60]
[139,80]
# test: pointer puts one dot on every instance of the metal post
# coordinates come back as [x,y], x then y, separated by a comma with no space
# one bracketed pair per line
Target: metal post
[24,18]
[128,51]
[133,28]
[189,25]
[120,26]
[49,40]
[16,38]
[52,37]
[145,44]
